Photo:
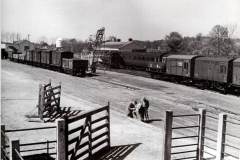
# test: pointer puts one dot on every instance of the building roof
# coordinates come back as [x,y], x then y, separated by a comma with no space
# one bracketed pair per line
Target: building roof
[219,59]
[116,45]
[181,56]
[237,60]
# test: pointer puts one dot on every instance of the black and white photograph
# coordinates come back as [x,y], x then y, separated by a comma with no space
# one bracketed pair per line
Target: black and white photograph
[120,79]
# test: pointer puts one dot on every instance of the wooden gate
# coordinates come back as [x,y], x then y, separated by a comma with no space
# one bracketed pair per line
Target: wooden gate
[49,100]
[4,143]
[184,149]
[87,135]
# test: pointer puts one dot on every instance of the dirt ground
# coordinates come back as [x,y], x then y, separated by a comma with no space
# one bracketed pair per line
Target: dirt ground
[20,92]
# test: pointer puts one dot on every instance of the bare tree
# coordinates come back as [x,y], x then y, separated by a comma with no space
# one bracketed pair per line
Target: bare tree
[221,41]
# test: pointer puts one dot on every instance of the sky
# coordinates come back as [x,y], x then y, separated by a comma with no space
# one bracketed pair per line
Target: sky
[136,19]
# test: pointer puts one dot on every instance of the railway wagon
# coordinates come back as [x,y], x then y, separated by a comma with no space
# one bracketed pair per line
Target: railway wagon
[216,71]
[22,58]
[46,58]
[15,57]
[75,66]
[180,65]
[139,60]
[36,58]
[57,57]
[236,73]
[29,57]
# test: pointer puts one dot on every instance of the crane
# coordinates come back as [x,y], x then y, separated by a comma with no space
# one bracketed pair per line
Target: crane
[92,47]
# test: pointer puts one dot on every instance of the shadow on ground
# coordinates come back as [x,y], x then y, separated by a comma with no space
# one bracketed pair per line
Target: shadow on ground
[119,152]
[152,120]
[43,156]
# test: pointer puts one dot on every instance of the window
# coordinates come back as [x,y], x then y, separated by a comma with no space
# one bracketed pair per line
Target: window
[185,65]
[223,69]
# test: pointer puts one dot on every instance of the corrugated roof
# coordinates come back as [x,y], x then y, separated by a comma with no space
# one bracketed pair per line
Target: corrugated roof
[237,60]
[221,59]
[181,56]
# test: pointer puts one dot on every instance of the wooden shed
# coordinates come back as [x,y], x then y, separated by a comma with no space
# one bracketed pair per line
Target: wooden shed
[236,72]
[180,65]
[215,69]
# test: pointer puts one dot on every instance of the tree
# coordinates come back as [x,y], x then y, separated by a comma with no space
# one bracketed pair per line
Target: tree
[174,41]
[221,41]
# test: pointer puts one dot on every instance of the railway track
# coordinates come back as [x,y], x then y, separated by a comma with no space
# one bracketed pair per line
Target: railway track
[167,79]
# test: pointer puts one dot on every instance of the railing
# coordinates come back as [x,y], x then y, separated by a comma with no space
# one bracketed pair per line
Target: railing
[84,136]
[177,152]
[18,150]
[218,137]
[230,144]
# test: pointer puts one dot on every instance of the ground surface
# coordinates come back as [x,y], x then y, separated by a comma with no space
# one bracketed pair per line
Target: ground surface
[20,90]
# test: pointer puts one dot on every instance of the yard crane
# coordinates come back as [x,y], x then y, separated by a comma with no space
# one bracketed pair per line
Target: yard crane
[93,45]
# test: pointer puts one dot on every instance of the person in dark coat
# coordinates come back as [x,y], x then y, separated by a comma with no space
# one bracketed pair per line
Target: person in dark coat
[132,109]
[145,107]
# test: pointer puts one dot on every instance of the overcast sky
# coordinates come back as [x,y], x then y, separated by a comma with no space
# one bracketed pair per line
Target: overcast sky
[138,19]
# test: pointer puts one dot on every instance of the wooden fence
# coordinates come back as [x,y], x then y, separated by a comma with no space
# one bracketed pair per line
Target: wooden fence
[12,149]
[204,146]
[49,100]
[84,136]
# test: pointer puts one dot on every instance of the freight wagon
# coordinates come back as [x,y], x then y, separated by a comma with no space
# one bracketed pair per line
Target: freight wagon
[57,56]
[46,58]
[214,71]
[36,58]
[75,66]
[181,66]
[236,73]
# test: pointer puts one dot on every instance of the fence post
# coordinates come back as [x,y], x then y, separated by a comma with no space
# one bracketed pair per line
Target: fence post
[221,136]
[41,101]
[168,135]
[108,119]
[61,141]
[14,145]
[3,142]
[202,122]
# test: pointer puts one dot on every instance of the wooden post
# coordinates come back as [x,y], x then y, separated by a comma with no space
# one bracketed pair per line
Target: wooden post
[14,145]
[41,101]
[168,135]
[61,140]
[90,136]
[3,142]
[202,122]
[221,136]
[108,119]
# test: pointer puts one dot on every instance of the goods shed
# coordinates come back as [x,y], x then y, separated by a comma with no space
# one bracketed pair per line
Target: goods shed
[215,69]
[180,65]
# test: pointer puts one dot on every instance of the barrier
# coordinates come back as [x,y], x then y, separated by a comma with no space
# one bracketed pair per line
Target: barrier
[203,148]
[13,150]
[49,100]
[85,136]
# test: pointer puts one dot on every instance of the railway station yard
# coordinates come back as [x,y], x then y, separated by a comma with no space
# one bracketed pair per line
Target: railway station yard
[140,140]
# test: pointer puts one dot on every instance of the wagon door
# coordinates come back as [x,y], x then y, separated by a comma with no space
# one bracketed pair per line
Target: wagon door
[186,68]
[236,73]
